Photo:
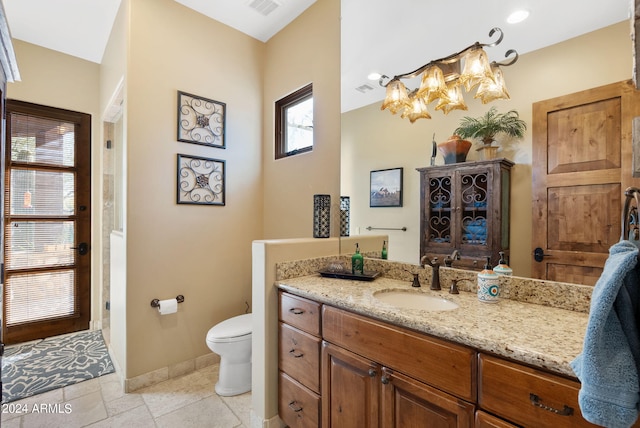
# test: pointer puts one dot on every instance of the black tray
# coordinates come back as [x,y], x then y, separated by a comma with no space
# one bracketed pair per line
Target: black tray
[366,276]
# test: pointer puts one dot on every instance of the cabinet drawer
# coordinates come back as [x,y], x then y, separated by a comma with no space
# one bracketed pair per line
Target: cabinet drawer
[300,356]
[528,396]
[447,366]
[298,407]
[301,313]
[485,420]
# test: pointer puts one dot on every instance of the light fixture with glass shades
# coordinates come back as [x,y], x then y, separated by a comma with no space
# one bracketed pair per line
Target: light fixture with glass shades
[443,79]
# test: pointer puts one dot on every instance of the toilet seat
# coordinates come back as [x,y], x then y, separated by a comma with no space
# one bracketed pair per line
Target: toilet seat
[231,330]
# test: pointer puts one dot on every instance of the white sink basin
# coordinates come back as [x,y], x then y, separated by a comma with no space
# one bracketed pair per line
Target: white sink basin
[414,300]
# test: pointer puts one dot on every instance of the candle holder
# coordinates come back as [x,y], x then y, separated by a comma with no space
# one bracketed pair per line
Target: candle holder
[321,216]
[345,205]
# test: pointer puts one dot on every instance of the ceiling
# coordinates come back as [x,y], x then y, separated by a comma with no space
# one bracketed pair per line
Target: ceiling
[387,36]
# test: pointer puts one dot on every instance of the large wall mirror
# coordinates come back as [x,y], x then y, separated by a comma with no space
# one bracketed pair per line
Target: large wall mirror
[564,48]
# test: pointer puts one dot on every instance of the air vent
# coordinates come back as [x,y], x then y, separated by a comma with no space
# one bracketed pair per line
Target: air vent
[364,88]
[265,7]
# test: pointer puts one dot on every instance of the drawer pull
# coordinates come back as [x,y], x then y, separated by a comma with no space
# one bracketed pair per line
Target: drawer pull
[535,400]
[296,311]
[295,406]
[295,355]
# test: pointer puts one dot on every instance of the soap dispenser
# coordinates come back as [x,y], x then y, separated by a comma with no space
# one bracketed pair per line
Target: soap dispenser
[488,284]
[357,262]
[502,268]
[384,250]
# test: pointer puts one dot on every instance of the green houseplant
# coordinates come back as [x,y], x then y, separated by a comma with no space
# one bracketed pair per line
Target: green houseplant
[486,127]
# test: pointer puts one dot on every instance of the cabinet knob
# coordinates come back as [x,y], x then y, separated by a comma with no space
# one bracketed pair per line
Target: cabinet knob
[295,406]
[372,372]
[385,379]
[295,354]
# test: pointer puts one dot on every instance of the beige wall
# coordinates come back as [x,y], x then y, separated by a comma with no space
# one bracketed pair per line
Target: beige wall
[307,50]
[156,48]
[374,139]
[201,252]
[54,79]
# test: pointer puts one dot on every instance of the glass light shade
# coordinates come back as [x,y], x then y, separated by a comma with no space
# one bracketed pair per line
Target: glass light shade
[476,69]
[450,70]
[491,90]
[433,85]
[416,109]
[396,97]
[454,99]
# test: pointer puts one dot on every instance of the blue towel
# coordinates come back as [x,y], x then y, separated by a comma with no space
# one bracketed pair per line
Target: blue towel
[609,364]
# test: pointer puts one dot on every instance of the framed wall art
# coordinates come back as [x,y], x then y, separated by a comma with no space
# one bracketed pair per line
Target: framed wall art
[201,180]
[201,120]
[386,188]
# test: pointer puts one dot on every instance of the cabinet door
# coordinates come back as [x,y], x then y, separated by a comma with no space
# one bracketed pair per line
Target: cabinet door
[438,212]
[473,203]
[350,389]
[409,403]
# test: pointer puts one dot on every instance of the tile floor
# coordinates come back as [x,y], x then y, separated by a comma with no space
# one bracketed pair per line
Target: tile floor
[186,401]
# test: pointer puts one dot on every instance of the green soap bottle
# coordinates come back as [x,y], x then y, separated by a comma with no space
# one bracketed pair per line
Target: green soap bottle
[384,250]
[357,262]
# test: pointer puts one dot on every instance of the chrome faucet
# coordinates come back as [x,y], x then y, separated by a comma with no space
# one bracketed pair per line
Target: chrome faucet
[435,271]
[448,260]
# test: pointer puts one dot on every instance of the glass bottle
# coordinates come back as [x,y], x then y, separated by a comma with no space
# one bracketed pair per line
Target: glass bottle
[357,262]
[384,250]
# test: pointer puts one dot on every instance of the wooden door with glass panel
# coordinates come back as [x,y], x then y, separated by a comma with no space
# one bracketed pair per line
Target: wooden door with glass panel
[47,220]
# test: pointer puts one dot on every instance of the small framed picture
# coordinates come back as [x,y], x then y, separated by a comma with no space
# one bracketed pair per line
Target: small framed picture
[386,188]
[201,120]
[201,180]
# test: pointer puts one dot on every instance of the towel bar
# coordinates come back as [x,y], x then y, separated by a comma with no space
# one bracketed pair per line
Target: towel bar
[404,229]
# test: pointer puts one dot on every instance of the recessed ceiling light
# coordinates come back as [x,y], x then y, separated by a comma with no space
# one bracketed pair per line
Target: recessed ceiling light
[518,16]
[374,76]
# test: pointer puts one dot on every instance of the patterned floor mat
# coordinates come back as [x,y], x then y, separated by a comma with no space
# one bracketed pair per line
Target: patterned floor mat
[37,367]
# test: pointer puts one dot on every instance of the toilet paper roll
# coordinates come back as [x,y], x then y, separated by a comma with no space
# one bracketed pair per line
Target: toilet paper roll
[169,306]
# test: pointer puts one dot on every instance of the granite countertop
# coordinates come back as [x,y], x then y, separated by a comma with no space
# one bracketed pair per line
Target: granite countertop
[539,335]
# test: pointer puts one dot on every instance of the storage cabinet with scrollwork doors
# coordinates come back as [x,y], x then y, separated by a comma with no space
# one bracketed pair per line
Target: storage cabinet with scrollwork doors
[465,207]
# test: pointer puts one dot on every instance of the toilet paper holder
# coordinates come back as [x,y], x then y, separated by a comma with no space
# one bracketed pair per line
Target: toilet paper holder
[155,303]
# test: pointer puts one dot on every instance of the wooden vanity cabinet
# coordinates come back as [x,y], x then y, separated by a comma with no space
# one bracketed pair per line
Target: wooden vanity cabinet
[392,377]
[465,206]
[299,361]
[338,369]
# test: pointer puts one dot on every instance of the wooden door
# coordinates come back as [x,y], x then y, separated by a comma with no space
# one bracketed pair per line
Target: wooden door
[582,150]
[47,222]
[350,389]
[407,403]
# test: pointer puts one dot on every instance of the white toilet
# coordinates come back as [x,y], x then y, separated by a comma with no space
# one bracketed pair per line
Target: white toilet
[231,339]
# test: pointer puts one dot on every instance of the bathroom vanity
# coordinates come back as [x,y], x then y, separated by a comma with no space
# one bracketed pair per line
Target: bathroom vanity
[349,360]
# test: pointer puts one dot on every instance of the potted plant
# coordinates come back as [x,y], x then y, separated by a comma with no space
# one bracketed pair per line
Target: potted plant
[492,123]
